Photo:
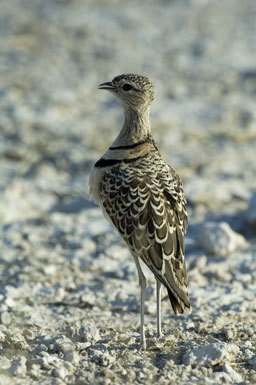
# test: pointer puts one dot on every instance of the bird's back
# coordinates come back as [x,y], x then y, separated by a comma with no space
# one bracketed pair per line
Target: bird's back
[143,197]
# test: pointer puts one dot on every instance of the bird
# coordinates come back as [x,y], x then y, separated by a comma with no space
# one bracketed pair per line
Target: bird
[143,198]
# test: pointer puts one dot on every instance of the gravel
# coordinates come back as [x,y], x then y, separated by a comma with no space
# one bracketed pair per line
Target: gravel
[69,293]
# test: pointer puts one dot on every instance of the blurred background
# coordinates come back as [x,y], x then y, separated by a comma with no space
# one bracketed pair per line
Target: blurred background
[54,123]
[68,285]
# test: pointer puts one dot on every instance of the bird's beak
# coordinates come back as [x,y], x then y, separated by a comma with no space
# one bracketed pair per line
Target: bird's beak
[106,86]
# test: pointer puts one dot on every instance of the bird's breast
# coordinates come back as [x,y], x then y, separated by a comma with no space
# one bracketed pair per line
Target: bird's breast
[95,183]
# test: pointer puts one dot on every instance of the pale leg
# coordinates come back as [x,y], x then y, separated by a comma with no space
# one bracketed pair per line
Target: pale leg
[143,284]
[158,306]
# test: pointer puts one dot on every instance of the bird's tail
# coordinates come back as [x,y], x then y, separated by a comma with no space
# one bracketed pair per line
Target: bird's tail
[177,307]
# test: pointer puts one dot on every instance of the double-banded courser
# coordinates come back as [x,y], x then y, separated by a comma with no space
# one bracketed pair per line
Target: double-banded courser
[142,196]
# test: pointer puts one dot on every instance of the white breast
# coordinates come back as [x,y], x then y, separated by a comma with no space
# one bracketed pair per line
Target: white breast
[94,183]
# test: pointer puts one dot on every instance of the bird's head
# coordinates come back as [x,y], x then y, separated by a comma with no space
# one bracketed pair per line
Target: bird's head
[134,92]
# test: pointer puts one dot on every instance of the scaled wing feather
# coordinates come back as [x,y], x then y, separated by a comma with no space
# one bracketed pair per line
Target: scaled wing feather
[148,209]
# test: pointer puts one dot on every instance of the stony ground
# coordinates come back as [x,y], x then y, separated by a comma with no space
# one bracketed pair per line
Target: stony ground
[68,286]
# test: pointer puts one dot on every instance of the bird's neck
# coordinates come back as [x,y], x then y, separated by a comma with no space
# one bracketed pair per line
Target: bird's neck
[136,127]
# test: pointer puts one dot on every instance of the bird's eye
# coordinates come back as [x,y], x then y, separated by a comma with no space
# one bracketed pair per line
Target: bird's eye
[127,87]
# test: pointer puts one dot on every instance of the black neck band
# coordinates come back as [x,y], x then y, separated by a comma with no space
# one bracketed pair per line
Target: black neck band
[129,146]
[112,162]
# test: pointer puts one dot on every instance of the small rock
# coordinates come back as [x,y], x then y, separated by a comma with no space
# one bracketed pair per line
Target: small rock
[6,318]
[63,343]
[104,358]
[59,372]
[72,357]
[246,344]
[18,367]
[50,269]
[85,332]
[18,341]
[47,362]
[82,345]
[211,354]
[5,363]
[248,354]
[29,334]
[229,333]
[35,370]
[234,376]
[220,239]
[10,302]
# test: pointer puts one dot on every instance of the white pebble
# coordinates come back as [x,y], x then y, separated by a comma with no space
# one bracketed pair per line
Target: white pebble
[234,376]
[59,372]
[89,333]
[50,269]
[72,357]
[211,354]
[220,239]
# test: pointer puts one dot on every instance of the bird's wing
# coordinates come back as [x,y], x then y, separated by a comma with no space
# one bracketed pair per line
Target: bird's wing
[148,210]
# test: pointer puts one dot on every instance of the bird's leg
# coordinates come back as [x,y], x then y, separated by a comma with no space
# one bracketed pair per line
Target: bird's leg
[158,307]
[143,285]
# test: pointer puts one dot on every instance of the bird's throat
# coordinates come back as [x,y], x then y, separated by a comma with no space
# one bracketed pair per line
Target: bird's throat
[136,128]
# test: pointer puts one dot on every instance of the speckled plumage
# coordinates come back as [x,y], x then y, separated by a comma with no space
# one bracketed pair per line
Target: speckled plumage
[145,202]
[142,195]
